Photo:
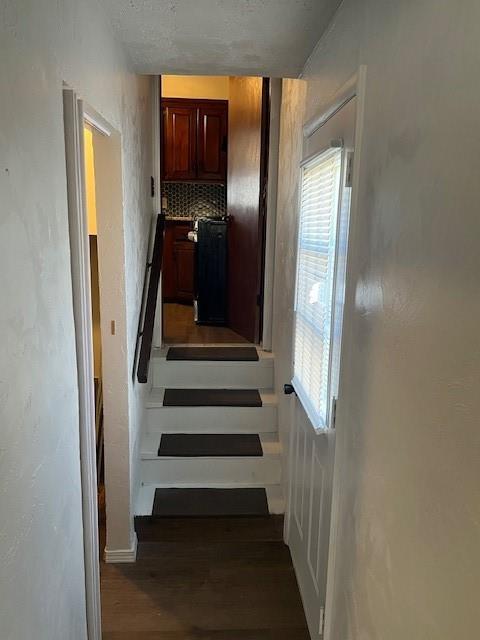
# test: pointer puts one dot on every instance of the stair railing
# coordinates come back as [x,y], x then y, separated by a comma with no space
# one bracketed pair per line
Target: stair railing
[147,319]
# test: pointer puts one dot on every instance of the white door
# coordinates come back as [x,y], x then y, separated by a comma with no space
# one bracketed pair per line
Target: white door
[312,440]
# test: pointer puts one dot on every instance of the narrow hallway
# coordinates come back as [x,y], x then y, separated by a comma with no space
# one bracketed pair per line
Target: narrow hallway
[207,578]
[239,256]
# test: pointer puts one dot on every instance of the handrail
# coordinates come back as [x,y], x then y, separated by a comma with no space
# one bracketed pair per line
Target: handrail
[155,269]
[99,432]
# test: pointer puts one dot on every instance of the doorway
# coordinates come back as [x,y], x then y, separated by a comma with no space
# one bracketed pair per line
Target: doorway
[89,135]
[94,186]
[214,154]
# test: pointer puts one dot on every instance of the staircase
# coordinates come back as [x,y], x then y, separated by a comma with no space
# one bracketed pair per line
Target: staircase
[210,444]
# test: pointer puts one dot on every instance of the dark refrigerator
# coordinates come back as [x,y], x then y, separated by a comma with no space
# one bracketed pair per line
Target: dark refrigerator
[211,271]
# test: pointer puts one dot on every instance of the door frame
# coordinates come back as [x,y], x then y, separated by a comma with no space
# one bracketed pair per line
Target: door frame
[263,206]
[74,118]
[267,248]
[268,274]
[76,115]
[157,193]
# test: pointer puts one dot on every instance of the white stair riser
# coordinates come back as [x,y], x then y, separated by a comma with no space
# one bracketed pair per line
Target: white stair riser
[205,375]
[210,471]
[212,419]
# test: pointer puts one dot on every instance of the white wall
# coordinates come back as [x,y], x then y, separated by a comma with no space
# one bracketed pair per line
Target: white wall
[408,440]
[42,45]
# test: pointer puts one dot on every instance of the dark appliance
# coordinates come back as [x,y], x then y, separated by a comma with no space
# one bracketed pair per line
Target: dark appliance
[210,303]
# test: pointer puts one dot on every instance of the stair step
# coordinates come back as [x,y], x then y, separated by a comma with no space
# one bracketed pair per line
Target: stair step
[211,419]
[146,494]
[200,502]
[219,471]
[213,354]
[150,445]
[209,445]
[212,374]
[212,398]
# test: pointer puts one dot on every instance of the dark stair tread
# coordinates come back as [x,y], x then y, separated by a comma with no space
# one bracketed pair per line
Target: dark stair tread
[190,445]
[212,398]
[213,354]
[199,502]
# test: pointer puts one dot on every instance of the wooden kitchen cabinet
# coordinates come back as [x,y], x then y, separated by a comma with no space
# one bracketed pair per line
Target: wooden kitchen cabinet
[183,258]
[178,263]
[212,142]
[194,140]
[179,140]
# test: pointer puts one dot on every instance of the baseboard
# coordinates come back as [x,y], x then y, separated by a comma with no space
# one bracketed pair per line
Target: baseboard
[122,556]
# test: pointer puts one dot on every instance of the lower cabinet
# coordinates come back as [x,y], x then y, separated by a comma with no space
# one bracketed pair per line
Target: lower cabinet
[178,263]
[184,264]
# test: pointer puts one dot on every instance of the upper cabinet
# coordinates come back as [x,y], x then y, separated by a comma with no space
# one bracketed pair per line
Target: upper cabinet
[194,140]
[212,142]
[179,140]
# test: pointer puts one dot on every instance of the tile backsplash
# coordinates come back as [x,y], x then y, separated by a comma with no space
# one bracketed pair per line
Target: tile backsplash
[186,199]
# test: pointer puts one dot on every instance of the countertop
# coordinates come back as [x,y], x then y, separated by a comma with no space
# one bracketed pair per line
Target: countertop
[170,218]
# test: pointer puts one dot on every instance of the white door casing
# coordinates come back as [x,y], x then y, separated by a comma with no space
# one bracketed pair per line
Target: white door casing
[80,269]
[157,199]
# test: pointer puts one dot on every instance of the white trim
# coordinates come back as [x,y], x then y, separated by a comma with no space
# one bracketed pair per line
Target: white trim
[122,556]
[157,201]
[272,186]
[289,491]
[360,81]
[344,95]
[312,157]
[96,121]
[80,271]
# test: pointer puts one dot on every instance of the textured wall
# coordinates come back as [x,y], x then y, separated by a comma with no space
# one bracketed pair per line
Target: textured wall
[42,45]
[408,436]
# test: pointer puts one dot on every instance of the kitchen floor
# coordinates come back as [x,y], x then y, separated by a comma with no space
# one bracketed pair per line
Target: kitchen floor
[180,328]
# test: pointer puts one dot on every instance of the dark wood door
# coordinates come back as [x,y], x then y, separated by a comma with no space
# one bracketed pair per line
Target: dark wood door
[243,198]
[212,141]
[179,136]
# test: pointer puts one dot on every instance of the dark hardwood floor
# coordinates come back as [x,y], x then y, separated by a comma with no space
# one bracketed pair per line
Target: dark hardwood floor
[204,578]
[180,328]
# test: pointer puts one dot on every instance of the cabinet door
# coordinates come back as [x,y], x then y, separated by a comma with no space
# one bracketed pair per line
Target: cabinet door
[183,257]
[179,131]
[212,142]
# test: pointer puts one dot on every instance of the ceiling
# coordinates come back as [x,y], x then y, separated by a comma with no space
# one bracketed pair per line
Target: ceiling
[220,37]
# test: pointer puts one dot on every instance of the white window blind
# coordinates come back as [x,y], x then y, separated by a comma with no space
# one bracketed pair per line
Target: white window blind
[316,265]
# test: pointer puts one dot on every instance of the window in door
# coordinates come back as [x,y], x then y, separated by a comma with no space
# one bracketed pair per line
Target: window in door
[322,240]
